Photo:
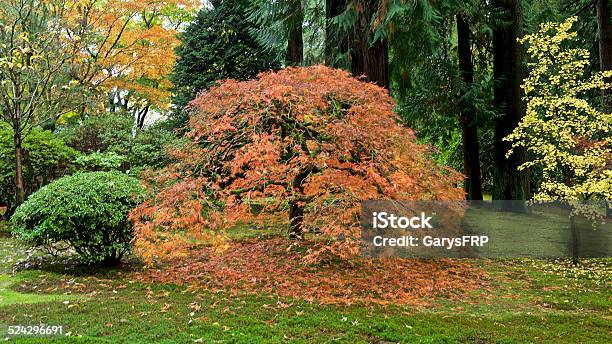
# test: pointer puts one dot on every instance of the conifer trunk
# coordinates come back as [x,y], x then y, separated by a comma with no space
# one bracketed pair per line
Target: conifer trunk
[369,58]
[295,41]
[469,130]
[508,182]
[336,43]
[604,30]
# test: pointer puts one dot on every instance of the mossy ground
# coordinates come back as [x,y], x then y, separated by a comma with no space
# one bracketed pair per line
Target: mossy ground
[525,301]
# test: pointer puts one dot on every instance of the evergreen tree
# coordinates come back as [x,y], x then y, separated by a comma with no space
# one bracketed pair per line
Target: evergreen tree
[469,130]
[336,40]
[369,55]
[508,182]
[295,29]
[440,73]
[216,46]
[295,34]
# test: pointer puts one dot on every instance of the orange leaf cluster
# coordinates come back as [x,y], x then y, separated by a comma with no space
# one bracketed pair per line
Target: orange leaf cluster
[127,44]
[312,136]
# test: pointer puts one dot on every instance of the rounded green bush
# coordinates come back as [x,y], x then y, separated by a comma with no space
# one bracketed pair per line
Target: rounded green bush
[84,212]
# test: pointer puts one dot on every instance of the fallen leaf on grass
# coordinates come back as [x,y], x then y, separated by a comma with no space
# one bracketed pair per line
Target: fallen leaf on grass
[165,308]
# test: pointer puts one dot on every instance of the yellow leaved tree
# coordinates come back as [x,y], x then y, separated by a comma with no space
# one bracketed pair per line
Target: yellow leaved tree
[565,135]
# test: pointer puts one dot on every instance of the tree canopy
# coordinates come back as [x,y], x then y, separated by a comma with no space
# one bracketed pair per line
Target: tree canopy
[216,46]
[566,136]
[311,142]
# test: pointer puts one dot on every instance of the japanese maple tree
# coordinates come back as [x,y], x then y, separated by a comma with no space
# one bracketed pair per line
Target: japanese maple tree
[308,142]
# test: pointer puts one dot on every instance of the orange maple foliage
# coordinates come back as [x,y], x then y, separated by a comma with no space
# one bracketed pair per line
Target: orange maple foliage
[312,141]
[128,45]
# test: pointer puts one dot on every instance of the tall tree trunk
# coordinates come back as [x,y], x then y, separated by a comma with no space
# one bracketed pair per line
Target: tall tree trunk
[336,43]
[604,30]
[19,186]
[295,42]
[469,130]
[111,102]
[367,58]
[508,182]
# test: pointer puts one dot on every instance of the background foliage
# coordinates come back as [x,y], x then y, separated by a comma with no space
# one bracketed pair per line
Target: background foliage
[46,157]
[216,46]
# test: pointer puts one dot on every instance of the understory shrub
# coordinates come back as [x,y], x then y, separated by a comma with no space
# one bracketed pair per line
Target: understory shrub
[108,143]
[45,157]
[97,161]
[85,213]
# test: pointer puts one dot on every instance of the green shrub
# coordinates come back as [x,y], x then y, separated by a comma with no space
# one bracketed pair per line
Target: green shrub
[85,212]
[109,144]
[46,157]
[97,161]
[147,150]
[97,133]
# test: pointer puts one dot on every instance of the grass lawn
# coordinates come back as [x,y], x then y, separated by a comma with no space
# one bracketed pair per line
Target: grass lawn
[524,301]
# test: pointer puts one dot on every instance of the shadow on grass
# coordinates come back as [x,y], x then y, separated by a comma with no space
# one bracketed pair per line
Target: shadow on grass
[71,265]
[17,258]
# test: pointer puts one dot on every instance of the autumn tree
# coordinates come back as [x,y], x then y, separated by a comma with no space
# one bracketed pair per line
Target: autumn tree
[35,83]
[308,142]
[564,134]
[127,52]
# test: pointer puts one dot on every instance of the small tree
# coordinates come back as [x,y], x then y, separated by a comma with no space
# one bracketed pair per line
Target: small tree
[308,142]
[34,73]
[566,136]
[124,52]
